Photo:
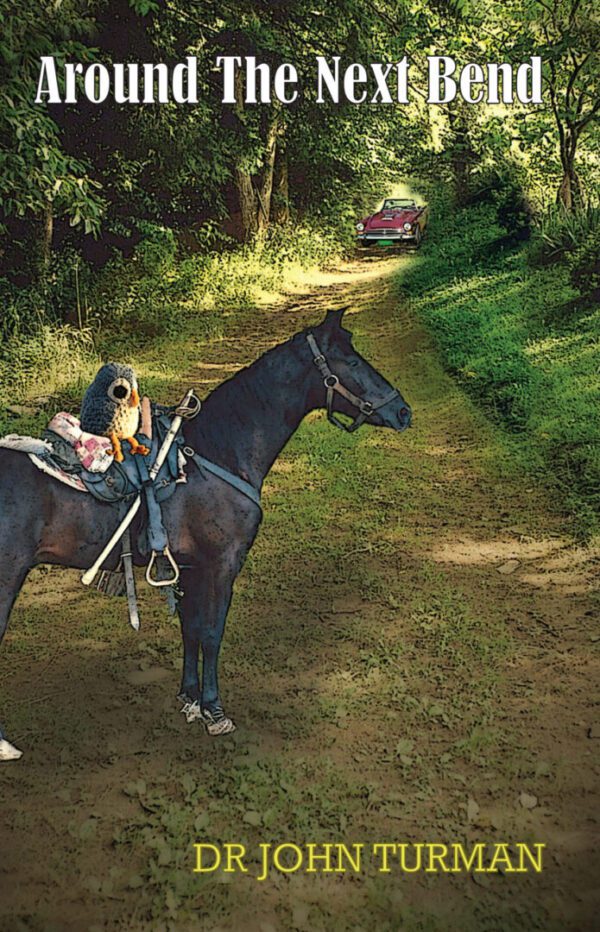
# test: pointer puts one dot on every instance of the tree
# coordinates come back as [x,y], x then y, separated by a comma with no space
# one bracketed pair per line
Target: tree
[38,178]
[566,34]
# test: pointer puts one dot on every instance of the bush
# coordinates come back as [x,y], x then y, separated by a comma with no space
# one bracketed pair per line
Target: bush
[158,248]
[513,210]
[307,244]
[584,265]
[560,232]
[504,190]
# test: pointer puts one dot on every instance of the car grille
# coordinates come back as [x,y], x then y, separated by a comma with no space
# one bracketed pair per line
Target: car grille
[382,232]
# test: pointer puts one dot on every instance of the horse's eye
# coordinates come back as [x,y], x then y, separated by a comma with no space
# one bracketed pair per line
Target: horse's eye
[354,363]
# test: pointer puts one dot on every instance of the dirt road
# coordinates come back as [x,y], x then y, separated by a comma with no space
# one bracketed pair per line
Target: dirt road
[410,657]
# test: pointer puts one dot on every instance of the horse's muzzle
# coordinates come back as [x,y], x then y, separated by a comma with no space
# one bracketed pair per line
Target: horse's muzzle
[397,416]
[399,419]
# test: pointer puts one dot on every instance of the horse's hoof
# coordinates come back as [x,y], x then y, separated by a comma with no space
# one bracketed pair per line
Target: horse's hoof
[8,751]
[216,722]
[191,710]
[223,727]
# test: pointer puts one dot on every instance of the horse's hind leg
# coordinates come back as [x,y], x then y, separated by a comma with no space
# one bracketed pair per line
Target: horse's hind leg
[11,581]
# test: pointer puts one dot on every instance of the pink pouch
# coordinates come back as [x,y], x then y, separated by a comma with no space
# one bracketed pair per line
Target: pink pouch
[92,451]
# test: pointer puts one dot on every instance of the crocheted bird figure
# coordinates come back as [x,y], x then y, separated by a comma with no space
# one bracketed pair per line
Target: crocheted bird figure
[111,408]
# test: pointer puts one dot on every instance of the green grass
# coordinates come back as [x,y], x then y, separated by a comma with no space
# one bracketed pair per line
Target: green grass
[521,343]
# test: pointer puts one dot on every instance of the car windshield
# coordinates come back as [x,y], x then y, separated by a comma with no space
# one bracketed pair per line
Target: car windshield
[397,203]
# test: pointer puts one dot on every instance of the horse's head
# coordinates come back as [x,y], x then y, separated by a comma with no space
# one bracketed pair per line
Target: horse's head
[349,383]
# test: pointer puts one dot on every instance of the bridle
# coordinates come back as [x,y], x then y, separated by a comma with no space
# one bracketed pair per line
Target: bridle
[333,384]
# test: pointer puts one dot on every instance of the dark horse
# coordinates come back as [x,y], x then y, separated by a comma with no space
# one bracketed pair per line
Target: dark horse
[243,426]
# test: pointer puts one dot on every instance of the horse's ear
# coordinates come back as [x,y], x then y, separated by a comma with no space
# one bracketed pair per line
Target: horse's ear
[333,319]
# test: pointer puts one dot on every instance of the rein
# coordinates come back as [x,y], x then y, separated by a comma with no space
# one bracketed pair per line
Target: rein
[332,384]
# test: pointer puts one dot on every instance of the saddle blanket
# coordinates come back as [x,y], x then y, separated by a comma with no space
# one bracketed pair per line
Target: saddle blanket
[36,448]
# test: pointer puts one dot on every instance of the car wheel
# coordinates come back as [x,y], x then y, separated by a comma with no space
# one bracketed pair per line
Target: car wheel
[418,237]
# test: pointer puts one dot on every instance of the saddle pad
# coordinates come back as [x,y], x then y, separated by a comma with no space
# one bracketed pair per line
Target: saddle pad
[35,449]
[52,470]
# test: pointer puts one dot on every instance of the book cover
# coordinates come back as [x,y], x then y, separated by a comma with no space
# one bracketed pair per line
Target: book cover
[299,465]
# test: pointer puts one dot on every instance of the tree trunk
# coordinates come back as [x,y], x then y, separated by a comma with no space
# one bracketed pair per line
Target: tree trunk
[46,239]
[280,205]
[569,194]
[255,200]
[247,199]
[242,177]
[266,187]
[462,155]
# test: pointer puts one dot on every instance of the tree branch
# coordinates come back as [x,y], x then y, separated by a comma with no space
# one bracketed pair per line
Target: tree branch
[573,77]
[588,117]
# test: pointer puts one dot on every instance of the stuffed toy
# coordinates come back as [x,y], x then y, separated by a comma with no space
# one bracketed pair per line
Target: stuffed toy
[111,408]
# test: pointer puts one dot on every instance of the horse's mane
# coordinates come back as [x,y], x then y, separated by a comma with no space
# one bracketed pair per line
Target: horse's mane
[231,401]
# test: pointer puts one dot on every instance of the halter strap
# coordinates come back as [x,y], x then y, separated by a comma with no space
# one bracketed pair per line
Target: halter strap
[333,384]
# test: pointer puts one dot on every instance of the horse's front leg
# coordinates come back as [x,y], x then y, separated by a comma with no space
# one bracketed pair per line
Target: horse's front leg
[202,611]
[188,610]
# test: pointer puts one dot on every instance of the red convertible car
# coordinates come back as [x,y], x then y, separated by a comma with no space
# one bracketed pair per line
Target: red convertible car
[400,220]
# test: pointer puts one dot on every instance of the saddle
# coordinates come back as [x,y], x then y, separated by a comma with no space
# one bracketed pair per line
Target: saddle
[121,481]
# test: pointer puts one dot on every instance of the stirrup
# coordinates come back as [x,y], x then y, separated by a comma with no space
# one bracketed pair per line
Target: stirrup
[152,580]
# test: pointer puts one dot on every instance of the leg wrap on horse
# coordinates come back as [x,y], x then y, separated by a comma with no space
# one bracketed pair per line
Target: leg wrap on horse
[215,720]
[7,750]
